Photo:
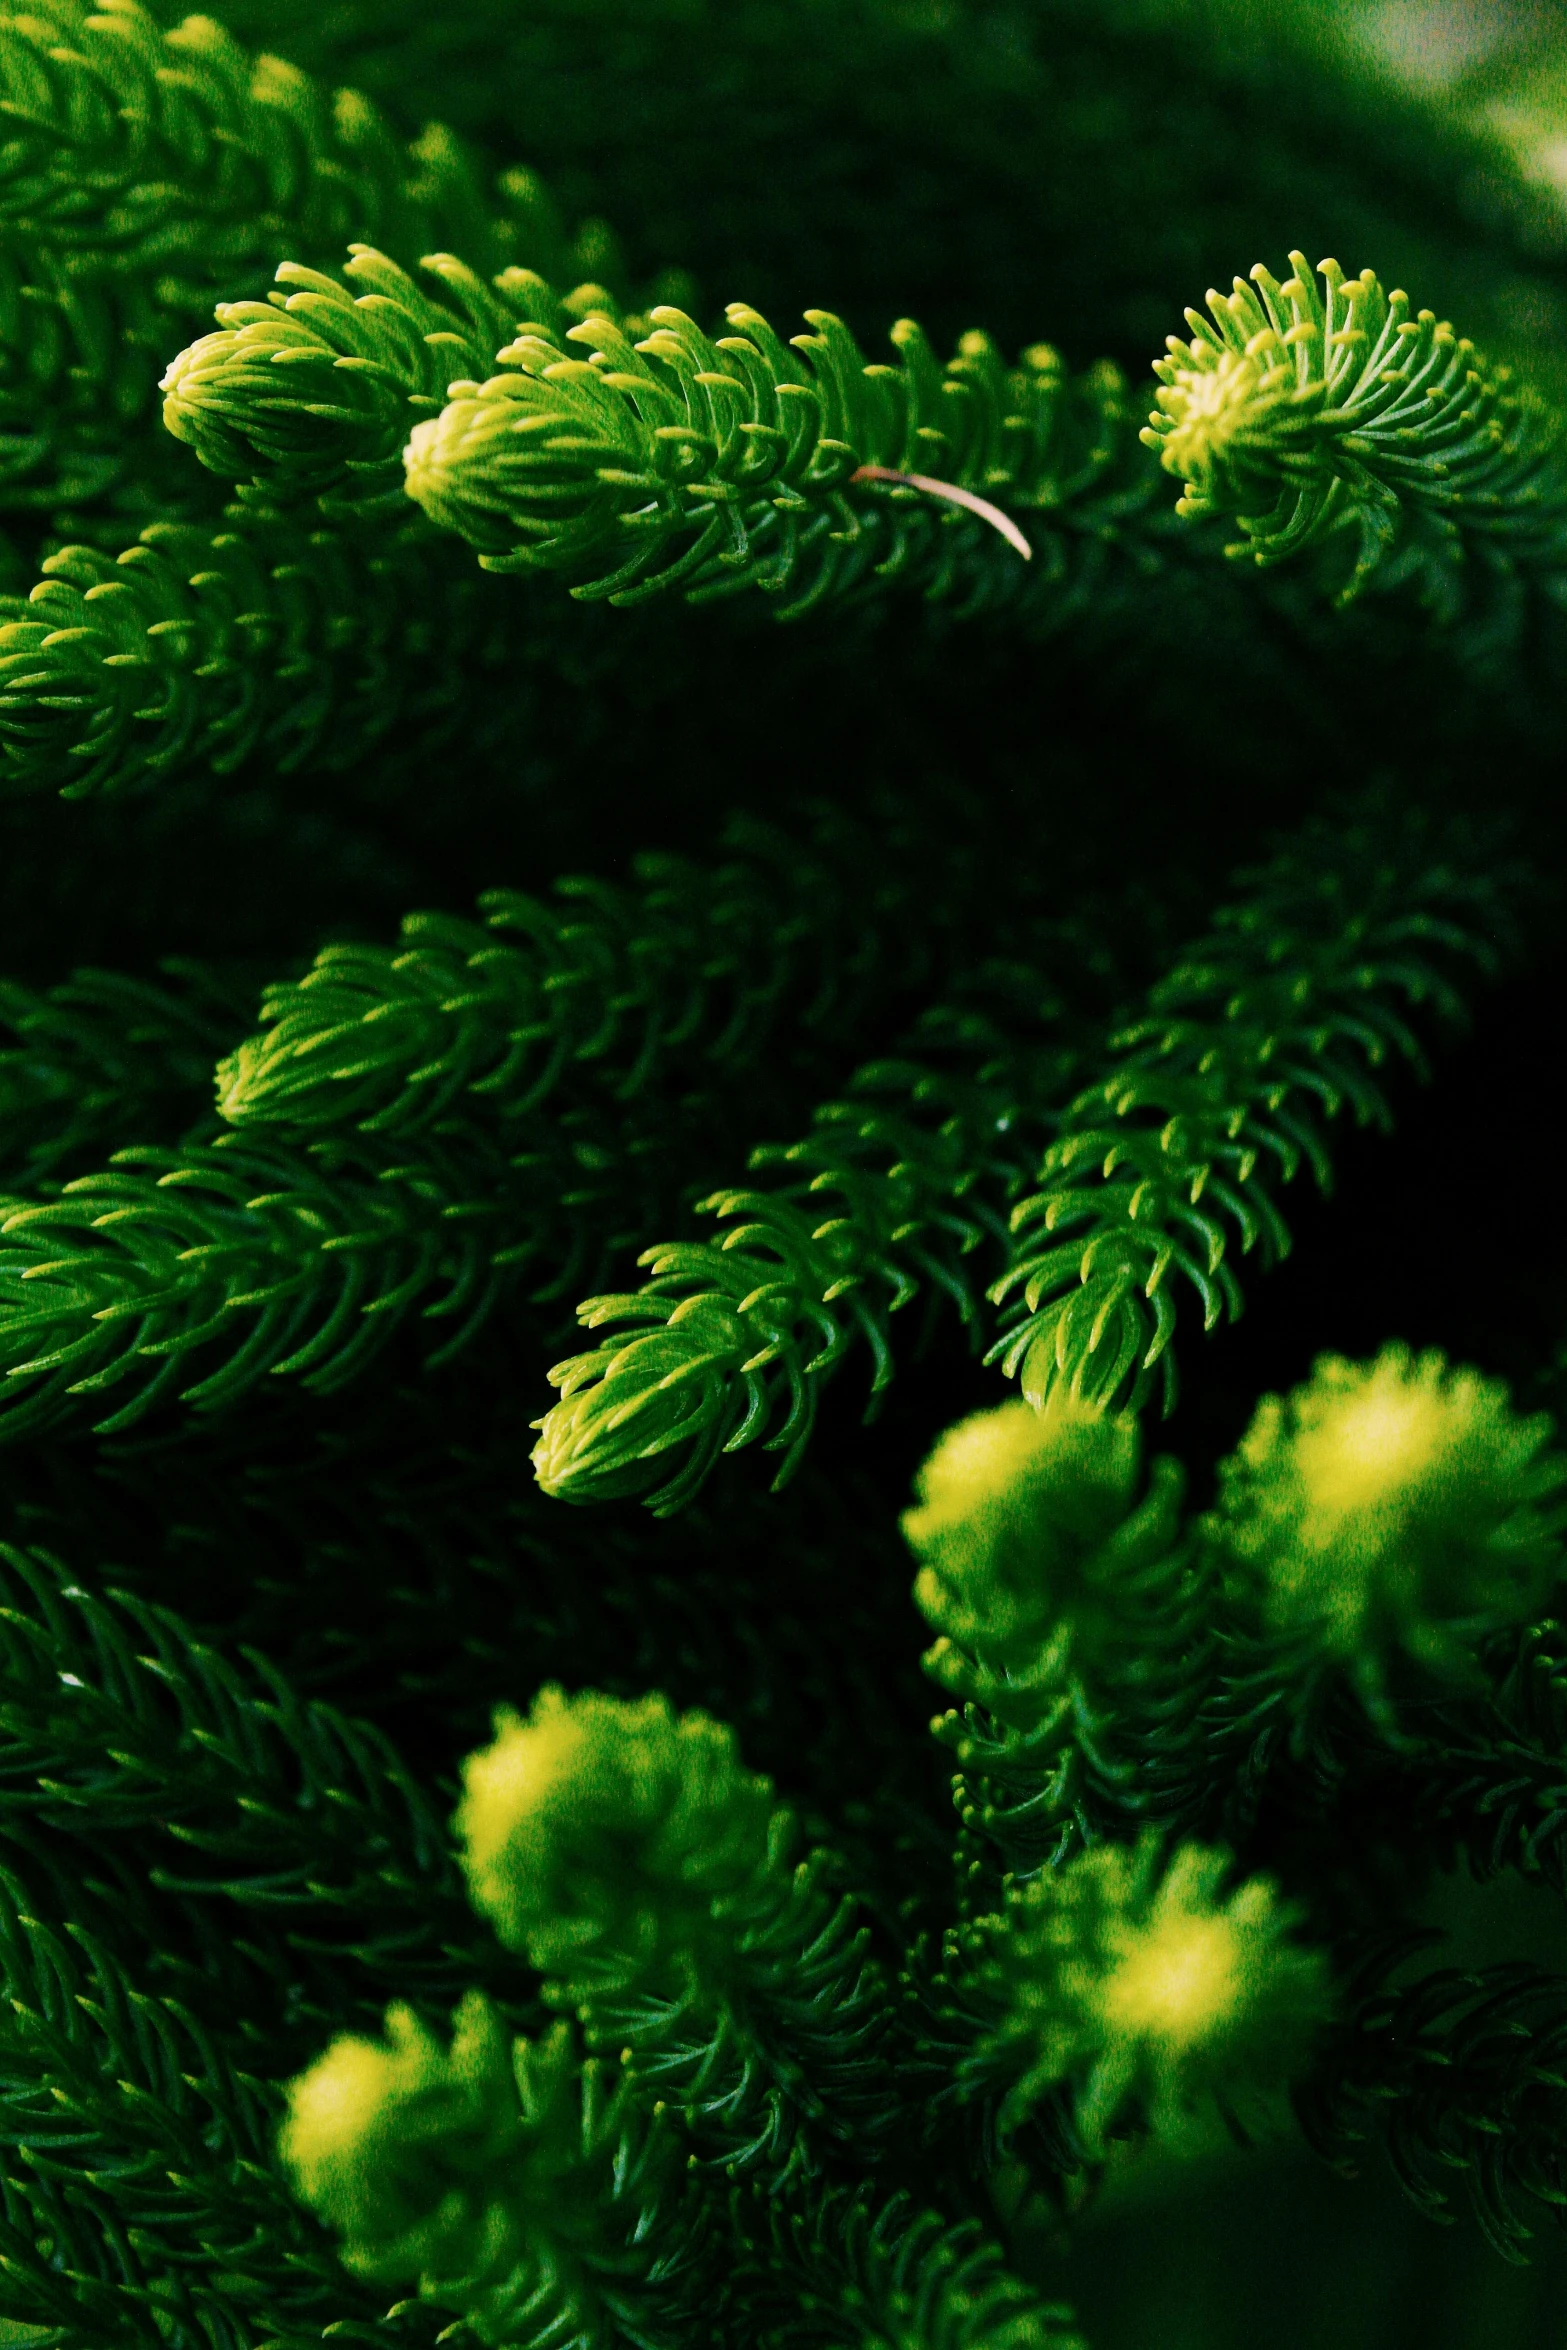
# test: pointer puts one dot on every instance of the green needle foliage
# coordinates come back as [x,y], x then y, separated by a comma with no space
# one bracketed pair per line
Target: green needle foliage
[700,965]
[1463,2072]
[1258,1035]
[509,2183]
[885,2271]
[671,460]
[1139,1989]
[1114,1665]
[298,1245]
[199,649]
[103,1056]
[952,1001]
[146,173]
[197,1272]
[1221,1093]
[221,1779]
[311,391]
[141,2203]
[892,1195]
[652,1882]
[716,465]
[1404,1506]
[1311,411]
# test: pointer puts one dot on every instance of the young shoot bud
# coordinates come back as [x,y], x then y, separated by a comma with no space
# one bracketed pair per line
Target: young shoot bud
[1395,1505]
[1150,1995]
[1031,1536]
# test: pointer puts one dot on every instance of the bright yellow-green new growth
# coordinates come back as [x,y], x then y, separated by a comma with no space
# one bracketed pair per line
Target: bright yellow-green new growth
[390,2141]
[508,1788]
[1030,1536]
[1395,1503]
[603,1823]
[1151,1997]
[1325,404]
[502,2179]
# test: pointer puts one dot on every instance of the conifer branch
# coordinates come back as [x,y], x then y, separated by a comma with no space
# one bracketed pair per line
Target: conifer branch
[151,172]
[103,1058]
[1145,1990]
[1257,1036]
[1377,1532]
[198,1272]
[671,460]
[1069,1622]
[1267,1030]
[314,390]
[1310,411]
[508,2182]
[716,465]
[140,2202]
[200,648]
[898,1189]
[1487,1775]
[651,1880]
[691,965]
[1401,1512]
[880,2271]
[114,1718]
[1462,2077]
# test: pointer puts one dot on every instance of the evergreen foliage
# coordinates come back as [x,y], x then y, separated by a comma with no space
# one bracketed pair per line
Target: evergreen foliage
[184,2232]
[197,1271]
[103,1055]
[1141,1986]
[222,1779]
[196,649]
[667,459]
[1305,987]
[283,1248]
[508,2181]
[875,2270]
[1304,412]
[1257,1038]
[708,2000]
[652,1882]
[146,173]
[692,964]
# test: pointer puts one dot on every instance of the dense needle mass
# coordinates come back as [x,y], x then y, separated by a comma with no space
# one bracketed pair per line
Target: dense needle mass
[646,692]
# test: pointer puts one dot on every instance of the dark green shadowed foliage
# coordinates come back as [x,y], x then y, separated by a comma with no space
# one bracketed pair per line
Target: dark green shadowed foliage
[1047,1855]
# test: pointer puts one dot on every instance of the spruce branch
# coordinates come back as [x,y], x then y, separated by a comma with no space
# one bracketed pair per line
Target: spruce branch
[314,390]
[877,2271]
[892,1195]
[104,1056]
[651,1880]
[196,648]
[1263,1033]
[1463,2076]
[615,985]
[198,1272]
[116,1720]
[508,2182]
[711,466]
[149,173]
[140,2201]
[1311,411]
